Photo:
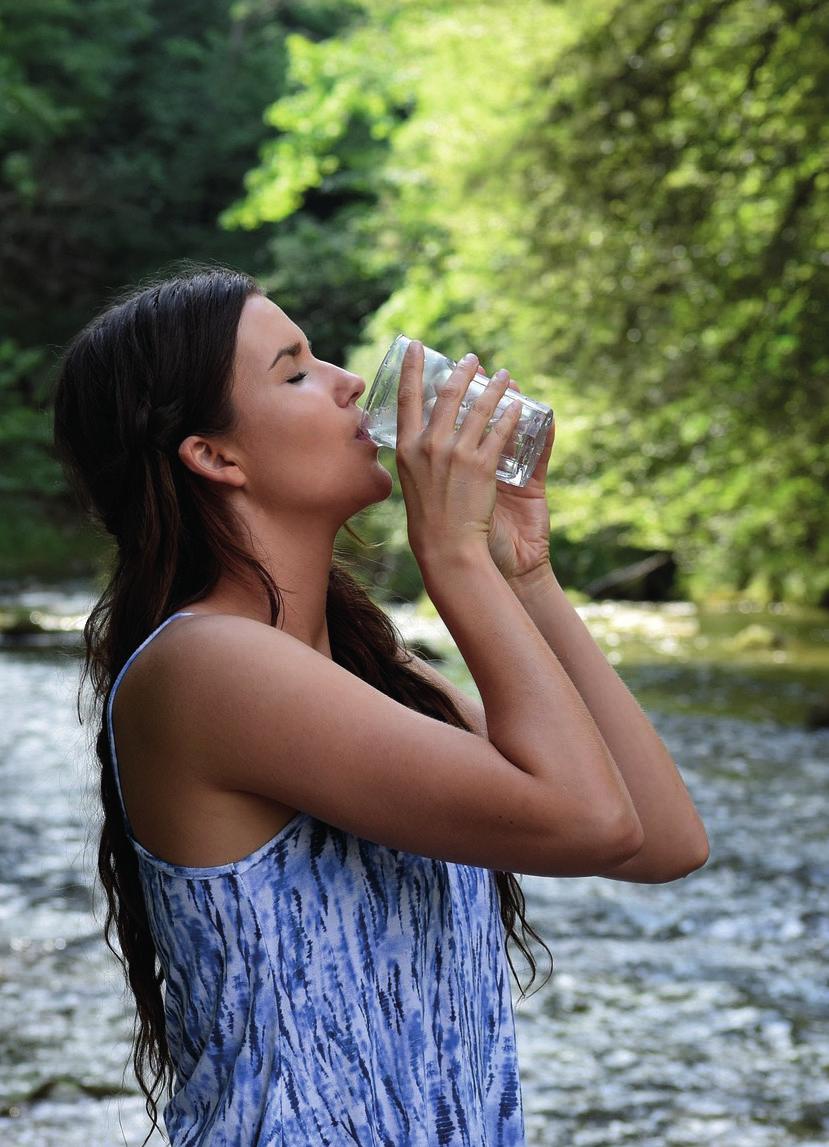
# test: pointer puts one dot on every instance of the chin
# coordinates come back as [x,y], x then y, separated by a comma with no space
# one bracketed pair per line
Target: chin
[388,484]
[370,493]
[383,484]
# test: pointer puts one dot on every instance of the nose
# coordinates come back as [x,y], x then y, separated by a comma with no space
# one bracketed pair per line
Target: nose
[353,385]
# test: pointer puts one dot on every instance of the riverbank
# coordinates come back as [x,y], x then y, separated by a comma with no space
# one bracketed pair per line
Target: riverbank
[691,1014]
[728,659]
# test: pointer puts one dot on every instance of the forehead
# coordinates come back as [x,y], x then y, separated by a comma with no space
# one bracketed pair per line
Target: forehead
[264,328]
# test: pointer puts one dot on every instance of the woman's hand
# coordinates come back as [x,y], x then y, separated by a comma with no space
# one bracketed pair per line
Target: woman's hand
[519,533]
[448,477]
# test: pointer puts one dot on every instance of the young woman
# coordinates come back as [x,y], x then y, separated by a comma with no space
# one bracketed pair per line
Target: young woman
[310,835]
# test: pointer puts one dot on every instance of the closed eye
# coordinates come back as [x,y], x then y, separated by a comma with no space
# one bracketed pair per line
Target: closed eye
[297,377]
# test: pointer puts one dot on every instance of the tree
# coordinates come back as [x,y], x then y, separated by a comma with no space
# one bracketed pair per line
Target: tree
[126,127]
[626,204]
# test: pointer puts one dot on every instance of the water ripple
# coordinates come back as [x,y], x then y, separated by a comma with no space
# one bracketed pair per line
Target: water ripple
[679,1015]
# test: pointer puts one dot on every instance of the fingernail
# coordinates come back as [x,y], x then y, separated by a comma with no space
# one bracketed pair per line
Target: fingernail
[468,357]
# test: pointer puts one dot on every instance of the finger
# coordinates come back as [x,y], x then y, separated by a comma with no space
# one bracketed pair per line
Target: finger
[449,397]
[483,408]
[540,469]
[539,472]
[501,433]
[410,394]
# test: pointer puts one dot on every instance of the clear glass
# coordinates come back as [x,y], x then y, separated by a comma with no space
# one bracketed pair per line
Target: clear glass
[515,464]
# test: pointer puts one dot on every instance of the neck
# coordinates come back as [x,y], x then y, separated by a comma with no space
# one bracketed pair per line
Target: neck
[298,558]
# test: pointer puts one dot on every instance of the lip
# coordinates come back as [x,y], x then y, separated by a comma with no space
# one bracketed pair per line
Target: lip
[360,432]
[361,436]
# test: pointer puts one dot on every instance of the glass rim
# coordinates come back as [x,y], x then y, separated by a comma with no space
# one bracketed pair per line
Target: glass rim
[383,379]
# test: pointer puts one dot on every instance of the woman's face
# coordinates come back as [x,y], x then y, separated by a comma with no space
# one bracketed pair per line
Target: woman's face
[297,419]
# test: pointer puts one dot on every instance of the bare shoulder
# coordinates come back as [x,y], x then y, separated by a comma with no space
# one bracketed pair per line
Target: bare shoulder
[245,712]
[194,650]
[175,812]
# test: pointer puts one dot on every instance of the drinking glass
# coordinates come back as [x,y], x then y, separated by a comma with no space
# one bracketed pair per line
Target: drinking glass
[517,461]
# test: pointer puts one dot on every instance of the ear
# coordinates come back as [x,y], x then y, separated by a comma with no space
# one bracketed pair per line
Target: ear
[210,461]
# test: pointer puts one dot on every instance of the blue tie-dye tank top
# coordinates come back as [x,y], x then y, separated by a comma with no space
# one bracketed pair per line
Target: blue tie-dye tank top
[326,990]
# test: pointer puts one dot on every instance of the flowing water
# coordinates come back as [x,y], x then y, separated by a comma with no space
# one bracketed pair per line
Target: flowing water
[678,1015]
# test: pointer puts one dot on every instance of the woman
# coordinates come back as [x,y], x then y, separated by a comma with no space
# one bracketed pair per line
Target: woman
[309,835]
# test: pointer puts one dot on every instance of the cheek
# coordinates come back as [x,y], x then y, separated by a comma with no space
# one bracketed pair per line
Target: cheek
[296,444]
[297,460]
[276,436]
[315,437]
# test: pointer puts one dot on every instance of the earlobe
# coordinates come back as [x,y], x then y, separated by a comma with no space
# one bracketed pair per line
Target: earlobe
[208,461]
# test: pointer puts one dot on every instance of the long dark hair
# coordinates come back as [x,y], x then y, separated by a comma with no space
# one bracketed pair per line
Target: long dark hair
[152,369]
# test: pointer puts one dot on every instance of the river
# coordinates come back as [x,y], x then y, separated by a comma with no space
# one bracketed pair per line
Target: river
[693,1013]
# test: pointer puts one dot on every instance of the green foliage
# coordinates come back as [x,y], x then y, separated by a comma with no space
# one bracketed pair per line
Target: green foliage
[628,205]
[691,144]
[625,204]
[25,428]
[125,129]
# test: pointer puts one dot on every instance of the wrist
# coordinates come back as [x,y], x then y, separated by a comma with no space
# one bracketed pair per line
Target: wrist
[439,561]
[541,577]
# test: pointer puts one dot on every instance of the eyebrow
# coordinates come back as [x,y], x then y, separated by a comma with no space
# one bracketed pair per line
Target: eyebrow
[292,350]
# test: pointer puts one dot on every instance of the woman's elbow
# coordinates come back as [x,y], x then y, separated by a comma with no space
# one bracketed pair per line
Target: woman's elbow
[696,858]
[679,864]
[621,839]
[695,853]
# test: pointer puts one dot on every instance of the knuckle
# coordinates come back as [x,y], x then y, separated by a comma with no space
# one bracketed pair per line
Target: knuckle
[465,454]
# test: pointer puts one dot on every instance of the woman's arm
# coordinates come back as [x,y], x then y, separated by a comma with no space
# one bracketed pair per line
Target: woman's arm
[675,839]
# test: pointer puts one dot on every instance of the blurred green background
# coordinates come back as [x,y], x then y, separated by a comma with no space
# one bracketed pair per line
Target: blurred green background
[625,204]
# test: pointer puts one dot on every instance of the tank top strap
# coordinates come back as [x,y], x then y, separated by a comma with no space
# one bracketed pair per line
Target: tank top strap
[110,699]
